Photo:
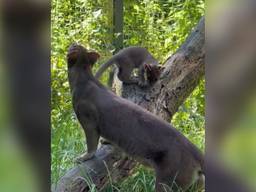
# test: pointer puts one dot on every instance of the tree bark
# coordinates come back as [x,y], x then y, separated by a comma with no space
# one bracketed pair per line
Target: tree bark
[182,73]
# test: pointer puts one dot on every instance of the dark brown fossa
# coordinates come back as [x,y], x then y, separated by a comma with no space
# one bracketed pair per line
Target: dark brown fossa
[130,58]
[138,132]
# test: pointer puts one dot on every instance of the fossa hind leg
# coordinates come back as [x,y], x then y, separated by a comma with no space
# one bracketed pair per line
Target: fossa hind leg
[166,183]
[125,75]
[172,177]
[142,81]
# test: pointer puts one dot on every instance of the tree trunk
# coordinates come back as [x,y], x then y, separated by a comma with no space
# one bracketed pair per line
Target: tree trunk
[182,73]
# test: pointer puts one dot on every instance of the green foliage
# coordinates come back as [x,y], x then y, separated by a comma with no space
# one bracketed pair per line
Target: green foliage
[159,25]
[141,180]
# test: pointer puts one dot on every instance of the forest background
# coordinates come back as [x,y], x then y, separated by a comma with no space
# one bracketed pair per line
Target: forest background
[159,25]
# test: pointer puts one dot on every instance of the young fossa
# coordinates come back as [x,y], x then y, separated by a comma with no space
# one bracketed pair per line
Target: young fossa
[138,132]
[130,58]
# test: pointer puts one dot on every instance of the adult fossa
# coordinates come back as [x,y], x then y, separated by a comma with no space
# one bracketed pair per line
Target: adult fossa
[138,132]
[130,58]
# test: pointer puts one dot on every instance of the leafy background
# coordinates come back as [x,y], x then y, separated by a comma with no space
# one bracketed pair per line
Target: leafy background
[159,25]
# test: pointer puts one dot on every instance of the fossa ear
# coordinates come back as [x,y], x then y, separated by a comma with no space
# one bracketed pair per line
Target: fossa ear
[93,57]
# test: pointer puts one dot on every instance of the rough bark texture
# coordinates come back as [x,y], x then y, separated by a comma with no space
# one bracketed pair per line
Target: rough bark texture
[183,70]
